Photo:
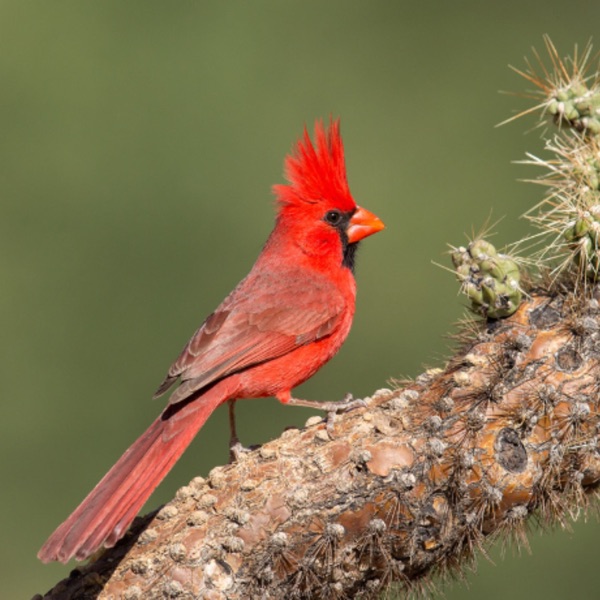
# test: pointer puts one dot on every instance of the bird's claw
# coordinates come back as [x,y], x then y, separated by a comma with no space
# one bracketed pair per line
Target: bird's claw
[237,452]
[345,405]
[349,403]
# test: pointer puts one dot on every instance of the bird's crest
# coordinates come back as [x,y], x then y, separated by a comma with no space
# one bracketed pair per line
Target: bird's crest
[316,173]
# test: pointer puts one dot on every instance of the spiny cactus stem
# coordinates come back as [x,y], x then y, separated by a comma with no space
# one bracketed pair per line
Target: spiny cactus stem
[408,487]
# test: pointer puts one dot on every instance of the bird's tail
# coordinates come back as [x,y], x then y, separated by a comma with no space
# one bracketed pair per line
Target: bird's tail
[108,510]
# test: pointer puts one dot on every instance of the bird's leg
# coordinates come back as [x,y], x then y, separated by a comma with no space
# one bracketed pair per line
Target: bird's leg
[235,447]
[331,408]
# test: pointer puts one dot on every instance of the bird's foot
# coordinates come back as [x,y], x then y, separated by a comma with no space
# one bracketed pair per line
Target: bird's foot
[348,403]
[345,405]
[237,451]
[331,408]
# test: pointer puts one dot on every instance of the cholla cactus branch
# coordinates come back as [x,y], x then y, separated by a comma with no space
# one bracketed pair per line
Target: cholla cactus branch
[408,487]
[491,280]
[565,92]
[569,216]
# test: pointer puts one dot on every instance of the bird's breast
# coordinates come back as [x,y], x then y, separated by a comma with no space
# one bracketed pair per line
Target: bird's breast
[290,370]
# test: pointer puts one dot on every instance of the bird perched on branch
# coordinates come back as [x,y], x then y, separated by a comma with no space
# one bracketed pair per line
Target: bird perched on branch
[276,329]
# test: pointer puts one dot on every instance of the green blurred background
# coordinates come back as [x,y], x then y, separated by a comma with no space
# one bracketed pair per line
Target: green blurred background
[138,145]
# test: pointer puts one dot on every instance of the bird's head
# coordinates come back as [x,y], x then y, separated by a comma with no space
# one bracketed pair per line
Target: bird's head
[316,206]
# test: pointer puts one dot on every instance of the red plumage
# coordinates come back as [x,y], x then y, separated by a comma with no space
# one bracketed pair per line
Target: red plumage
[286,319]
[316,173]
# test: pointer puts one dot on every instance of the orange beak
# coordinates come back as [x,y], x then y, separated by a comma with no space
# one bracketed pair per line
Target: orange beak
[362,224]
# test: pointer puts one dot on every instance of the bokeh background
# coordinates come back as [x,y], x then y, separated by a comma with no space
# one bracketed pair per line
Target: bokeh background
[138,144]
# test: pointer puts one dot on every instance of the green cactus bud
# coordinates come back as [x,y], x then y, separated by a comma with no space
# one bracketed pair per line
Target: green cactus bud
[480,250]
[578,89]
[488,266]
[581,226]
[553,107]
[460,256]
[571,113]
[591,125]
[473,292]
[463,272]
[489,279]
[512,302]
[488,291]
[513,278]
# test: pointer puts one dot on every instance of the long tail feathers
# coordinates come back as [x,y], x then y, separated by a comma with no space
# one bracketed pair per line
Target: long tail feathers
[108,510]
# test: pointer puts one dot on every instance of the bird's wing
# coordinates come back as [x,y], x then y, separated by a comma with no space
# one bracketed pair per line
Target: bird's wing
[266,316]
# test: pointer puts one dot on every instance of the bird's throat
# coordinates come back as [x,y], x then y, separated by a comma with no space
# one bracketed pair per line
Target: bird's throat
[349,254]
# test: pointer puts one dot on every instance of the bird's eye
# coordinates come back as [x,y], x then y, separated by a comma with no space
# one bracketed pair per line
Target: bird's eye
[333,217]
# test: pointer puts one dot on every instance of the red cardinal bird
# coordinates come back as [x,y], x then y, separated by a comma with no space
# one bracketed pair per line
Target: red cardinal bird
[281,324]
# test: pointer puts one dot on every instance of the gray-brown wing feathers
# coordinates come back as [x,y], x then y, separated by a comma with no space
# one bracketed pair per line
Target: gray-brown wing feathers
[253,325]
